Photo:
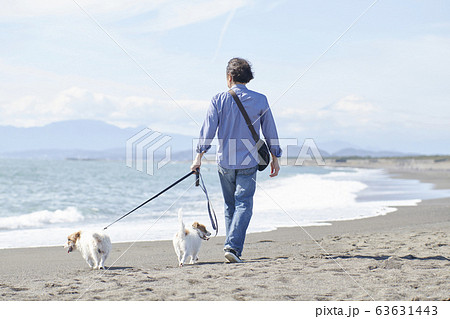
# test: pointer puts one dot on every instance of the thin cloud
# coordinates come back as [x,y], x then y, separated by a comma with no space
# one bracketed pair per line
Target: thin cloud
[151,15]
[177,14]
[13,10]
[222,33]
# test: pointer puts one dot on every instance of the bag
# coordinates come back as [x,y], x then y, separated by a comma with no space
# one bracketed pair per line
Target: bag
[263,150]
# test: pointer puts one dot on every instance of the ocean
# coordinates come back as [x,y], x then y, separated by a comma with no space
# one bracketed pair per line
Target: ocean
[43,201]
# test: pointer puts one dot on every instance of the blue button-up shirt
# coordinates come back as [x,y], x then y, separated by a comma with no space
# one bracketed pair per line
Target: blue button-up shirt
[236,147]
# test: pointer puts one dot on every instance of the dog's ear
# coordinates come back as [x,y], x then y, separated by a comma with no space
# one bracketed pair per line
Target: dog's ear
[195,225]
[202,228]
[74,237]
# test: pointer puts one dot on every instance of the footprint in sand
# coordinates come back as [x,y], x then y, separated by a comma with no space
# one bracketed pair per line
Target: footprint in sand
[18,289]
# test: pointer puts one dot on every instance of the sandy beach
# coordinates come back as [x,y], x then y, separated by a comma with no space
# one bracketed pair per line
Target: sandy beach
[403,255]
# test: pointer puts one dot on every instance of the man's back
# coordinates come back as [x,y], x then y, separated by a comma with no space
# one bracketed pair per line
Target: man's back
[236,144]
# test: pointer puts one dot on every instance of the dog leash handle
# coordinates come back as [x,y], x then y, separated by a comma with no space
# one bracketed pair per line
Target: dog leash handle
[197,177]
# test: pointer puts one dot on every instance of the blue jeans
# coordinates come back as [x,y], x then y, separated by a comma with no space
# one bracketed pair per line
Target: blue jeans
[238,188]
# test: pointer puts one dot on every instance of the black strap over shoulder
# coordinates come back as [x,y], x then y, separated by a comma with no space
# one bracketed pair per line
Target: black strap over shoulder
[245,114]
[261,146]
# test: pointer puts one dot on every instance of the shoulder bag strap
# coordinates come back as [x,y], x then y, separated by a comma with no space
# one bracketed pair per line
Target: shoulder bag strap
[244,113]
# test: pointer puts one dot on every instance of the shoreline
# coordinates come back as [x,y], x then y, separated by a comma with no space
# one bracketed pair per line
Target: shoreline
[319,223]
[402,255]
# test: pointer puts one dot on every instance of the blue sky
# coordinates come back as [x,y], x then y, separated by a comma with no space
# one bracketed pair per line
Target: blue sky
[384,85]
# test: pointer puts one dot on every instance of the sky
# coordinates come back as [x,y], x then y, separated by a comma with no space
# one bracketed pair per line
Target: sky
[384,85]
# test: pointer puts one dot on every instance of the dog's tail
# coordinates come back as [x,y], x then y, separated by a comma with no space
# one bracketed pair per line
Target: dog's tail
[180,221]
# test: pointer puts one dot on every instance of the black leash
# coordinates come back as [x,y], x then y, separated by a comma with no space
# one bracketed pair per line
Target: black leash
[161,192]
[198,176]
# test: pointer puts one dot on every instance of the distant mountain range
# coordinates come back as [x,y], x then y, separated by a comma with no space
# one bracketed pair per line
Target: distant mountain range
[294,151]
[66,135]
[349,152]
[91,139]
[76,139]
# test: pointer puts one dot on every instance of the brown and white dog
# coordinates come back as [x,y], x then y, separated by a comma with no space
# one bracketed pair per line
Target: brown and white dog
[188,240]
[94,247]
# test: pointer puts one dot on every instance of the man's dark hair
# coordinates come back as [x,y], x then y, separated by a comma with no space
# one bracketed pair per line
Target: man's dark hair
[240,70]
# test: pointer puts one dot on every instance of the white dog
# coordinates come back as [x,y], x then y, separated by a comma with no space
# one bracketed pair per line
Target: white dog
[94,247]
[187,240]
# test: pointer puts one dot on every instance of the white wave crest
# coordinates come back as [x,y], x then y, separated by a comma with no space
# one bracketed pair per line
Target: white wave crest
[41,218]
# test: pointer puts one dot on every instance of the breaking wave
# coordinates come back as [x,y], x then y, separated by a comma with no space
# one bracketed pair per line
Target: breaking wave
[41,218]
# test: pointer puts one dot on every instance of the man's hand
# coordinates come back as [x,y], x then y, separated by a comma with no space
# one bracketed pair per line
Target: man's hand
[197,162]
[274,167]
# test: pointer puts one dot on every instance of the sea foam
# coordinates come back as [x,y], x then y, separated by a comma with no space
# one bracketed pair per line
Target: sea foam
[41,219]
[311,199]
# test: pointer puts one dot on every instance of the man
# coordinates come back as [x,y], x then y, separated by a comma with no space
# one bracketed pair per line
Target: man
[237,156]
